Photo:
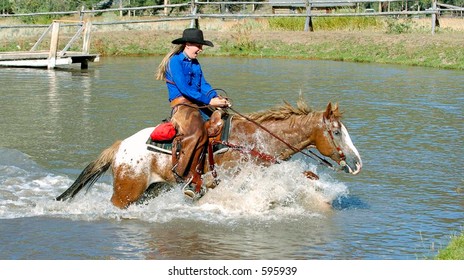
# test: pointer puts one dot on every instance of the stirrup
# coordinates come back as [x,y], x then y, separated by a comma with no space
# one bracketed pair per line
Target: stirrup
[189,191]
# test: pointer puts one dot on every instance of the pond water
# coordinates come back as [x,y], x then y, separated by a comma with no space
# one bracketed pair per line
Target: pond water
[407,123]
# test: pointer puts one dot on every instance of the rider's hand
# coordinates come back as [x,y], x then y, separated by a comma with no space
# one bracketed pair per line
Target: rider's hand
[220,102]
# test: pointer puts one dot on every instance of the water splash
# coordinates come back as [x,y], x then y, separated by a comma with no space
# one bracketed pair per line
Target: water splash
[255,193]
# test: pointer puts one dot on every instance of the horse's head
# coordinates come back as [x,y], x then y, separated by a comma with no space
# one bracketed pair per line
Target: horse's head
[334,141]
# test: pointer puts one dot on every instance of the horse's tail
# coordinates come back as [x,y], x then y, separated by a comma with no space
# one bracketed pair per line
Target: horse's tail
[92,172]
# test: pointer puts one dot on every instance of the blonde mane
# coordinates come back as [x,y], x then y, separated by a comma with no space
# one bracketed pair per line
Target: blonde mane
[282,112]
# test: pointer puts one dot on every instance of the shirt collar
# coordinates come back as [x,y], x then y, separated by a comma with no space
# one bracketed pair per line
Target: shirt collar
[186,56]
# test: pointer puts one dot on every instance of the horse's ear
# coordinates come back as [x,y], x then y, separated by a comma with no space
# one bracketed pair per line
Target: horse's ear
[335,110]
[328,112]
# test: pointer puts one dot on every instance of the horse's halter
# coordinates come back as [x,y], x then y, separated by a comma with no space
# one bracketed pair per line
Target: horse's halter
[329,127]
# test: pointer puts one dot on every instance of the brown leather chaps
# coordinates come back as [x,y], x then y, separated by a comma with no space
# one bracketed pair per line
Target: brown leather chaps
[190,142]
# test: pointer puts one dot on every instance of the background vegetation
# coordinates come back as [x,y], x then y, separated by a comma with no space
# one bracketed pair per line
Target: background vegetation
[31,6]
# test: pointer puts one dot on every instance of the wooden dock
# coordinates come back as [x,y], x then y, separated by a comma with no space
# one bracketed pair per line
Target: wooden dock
[41,59]
[53,57]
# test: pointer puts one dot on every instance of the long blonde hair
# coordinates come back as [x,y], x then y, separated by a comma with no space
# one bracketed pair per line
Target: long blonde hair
[161,73]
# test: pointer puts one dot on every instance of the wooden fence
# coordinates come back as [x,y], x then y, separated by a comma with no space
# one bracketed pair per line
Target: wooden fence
[195,10]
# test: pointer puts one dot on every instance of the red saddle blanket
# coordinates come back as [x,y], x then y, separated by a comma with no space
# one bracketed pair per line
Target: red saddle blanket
[163,132]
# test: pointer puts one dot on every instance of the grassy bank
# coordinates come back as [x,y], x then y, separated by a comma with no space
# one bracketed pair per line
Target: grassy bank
[341,39]
[440,51]
[454,250]
[362,40]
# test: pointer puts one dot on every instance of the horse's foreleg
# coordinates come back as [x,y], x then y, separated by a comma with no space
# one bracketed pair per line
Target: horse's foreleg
[128,187]
[311,175]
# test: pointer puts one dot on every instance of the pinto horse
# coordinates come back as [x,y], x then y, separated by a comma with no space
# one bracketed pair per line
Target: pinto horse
[278,133]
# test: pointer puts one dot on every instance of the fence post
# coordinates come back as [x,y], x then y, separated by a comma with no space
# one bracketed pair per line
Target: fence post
[166,2]
[194,23]
[434,15]
[53,45]
[81,13]
[309,21]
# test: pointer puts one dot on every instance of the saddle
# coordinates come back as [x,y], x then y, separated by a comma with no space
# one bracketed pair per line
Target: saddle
[217,127]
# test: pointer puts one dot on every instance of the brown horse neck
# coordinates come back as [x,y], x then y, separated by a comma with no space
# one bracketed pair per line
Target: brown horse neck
[296,130]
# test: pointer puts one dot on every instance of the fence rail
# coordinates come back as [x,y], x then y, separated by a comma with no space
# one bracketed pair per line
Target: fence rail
[193,13]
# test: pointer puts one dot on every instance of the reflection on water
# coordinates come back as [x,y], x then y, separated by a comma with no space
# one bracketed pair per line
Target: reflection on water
[213,240]
[406,122]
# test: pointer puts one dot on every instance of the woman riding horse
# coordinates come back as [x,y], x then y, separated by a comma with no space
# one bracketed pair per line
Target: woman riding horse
[136,169]
[189,95]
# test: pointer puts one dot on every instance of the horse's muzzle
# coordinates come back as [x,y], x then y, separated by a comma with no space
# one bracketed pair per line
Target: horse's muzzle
[352,165]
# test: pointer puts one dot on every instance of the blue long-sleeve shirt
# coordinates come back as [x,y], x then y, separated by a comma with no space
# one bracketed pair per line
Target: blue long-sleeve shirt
[188,79]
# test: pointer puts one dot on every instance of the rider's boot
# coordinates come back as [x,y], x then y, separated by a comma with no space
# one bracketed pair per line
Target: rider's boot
[194,188]
[191,191]
[188,167]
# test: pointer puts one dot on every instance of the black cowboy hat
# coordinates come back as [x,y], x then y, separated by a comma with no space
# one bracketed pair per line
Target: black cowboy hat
[192,35]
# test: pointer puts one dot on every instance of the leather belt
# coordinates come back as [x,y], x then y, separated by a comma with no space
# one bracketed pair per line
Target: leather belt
[180,100]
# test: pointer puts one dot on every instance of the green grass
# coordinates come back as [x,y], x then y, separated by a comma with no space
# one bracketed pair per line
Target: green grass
[327,23]
[400,50]
[454,250]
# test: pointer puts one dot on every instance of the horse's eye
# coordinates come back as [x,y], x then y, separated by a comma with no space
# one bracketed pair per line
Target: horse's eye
[337,132]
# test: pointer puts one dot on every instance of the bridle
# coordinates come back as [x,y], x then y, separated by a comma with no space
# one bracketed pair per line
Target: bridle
[328,124]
